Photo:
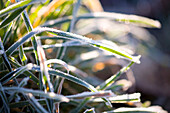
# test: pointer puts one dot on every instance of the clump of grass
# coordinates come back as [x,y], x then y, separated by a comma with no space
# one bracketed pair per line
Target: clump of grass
[31,82]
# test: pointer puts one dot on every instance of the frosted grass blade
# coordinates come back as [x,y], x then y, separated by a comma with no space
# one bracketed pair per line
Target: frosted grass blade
[36,104]
[18,5]
[72,36]
[50,95]
[4,99]
[135,97]
[11,17]
[128,19]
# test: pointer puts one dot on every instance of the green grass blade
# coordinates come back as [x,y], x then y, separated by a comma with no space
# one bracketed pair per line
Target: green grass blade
[8,33]
[128,19]
[67,76]
[27,73]
[62,50]
[4,99]
[107,93]
[4,57]
[22,55]
[67,44]
[18,5]
[112,79]
[135,97]
[72,36]
[50,95]
[36,104]
[15,73]
[34,43]
[11,17]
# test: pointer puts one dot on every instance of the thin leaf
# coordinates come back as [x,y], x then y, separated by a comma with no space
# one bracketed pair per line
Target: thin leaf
[67,44]
[15,73]
[36,104]
[18,5]
[11,17]
[128,19]
[34,43]
[50,95]
[58,61]
[22,55]
[92,94]
[74,37]
[62,50]
[43,66]
[8,33]
[5,59]
[112,79]
[4,99]
[27,73]
[135,97]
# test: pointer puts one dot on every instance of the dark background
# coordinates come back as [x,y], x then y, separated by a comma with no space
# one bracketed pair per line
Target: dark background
[152,78]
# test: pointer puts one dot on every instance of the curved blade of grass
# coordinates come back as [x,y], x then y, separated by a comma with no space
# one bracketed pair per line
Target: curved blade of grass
[92,94]
[44,71]
[71,78]
[43,66]
[104,85]
[41,101]
[112,79]
[58,61]
[16,73]
[27,73]
[8,33]
[4,99]
[135,97]
[34,43]
[18,5]
[36,104]
[4,57]
[62,50]
[21,84]
[74,37]
[67,44]
[11,17]
[128,19]
[22,55]
[50,95]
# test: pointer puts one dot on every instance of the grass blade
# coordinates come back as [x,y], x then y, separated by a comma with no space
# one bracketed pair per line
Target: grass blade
[92,94]
[62,50]
[27,73]
[13,74]
[22,55]
[8,33]
[74,37]
[11,17]
[18,5]
[66,44]
[128,19]
[112,79]
[135,97]
[4,99]
[36,104]
[50,95]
